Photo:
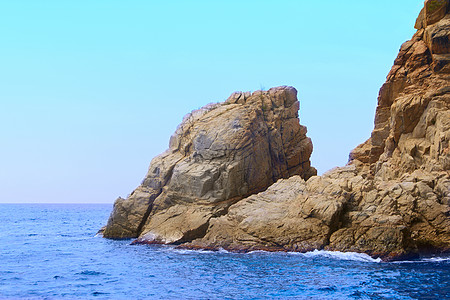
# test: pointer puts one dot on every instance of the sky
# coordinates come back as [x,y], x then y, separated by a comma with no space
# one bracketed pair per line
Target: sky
[91,90]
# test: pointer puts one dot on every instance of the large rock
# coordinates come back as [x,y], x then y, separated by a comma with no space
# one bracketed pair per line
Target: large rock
[211,188]
[393,198]
[218,155]
[290,215]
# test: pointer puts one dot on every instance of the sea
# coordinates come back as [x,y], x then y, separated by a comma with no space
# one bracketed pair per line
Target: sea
[51,251]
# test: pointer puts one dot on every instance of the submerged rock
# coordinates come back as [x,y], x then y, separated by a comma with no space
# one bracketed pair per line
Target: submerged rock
[214,187]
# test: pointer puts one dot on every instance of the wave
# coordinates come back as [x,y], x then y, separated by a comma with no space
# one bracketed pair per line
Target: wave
[316,253]
[199,251]
[436,259]
[337,255]
[354,256]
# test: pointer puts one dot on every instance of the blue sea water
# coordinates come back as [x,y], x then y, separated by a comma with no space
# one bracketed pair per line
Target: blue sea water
[49,251]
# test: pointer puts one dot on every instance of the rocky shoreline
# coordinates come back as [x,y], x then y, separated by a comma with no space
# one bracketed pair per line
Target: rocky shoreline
[237,174]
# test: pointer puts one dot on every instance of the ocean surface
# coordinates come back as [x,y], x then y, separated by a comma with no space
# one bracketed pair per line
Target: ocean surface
[50,251]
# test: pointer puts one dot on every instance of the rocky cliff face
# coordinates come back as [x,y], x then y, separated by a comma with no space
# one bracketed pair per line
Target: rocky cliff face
[218,155]
[393,198]
[211,188]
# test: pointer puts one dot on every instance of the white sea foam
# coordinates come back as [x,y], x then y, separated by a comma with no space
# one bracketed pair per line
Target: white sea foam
[190,251]
[182,251]
[260,251]
[436,259]
[351,256]
[316,253]
[341,255]
[424,260]
[199,251]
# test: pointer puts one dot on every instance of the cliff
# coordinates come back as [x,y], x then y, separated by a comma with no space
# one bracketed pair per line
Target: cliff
[237,175]
[218,155]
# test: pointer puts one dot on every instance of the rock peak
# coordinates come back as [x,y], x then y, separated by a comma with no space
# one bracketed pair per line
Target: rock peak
[418,79]
[218,155]
[432,12]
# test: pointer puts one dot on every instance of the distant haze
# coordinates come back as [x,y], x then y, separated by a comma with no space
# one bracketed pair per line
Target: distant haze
[90,91]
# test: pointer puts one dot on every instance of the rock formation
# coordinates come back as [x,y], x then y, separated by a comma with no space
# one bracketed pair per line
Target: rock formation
[392,200]
[213,188]
[218,155]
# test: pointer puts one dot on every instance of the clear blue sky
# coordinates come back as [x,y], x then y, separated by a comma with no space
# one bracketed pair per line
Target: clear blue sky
[91,90]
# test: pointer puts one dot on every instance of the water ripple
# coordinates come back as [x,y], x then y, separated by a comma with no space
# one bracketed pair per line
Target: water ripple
[56,256]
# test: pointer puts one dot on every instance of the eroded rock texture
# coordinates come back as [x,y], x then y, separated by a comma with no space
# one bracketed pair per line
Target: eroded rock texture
[211,188]
[219,154]
[393,198]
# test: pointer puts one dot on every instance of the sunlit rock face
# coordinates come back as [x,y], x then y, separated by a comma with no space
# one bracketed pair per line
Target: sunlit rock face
[393,198]
[237,174]
[219,154]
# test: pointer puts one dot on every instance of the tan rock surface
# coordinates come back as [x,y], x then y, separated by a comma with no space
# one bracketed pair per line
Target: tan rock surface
[218,155]
[393,198]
